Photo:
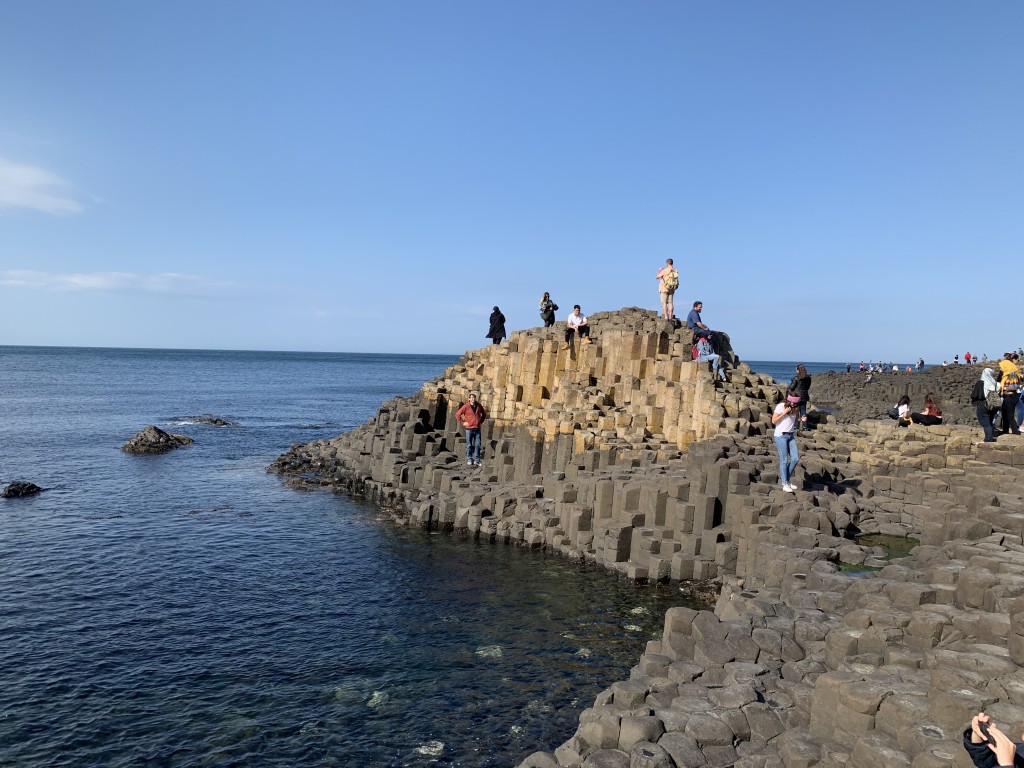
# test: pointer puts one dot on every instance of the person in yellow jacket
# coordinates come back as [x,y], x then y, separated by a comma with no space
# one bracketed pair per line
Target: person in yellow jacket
[1009,387]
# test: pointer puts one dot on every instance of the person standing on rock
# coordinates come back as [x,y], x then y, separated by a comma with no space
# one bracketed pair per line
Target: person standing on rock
[801,384]
[496,331]
[784,418]
[547,310]
[668,281]
[1010,384]
[471,415]
[577,326]
[987,402]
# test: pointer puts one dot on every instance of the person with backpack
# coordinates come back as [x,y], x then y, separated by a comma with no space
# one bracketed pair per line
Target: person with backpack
[801,384]
[471,415]
[1010,384]
[987,402]
[668,281]
[702,351]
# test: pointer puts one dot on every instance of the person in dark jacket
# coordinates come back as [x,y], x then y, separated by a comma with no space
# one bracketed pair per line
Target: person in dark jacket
[986,388]
[497,330]
[801,385]
[989,747]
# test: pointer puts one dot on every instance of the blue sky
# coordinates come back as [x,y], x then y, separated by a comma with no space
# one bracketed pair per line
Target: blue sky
[834,180]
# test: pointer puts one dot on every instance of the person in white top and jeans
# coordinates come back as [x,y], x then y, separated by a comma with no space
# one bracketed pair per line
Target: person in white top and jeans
[784,418]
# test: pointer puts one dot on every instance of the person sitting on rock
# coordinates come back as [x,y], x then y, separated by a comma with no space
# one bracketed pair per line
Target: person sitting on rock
[932,414]
[695,324]
[706,353]
[577,326]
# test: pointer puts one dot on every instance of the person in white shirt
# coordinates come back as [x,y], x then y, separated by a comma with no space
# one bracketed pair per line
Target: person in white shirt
[784,418]
[577,326]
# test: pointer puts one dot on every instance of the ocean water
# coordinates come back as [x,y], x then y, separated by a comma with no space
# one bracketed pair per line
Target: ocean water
[190,610]
[783,372]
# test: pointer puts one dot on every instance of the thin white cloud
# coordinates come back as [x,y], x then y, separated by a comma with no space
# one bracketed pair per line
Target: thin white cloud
[27,187]
[167,283]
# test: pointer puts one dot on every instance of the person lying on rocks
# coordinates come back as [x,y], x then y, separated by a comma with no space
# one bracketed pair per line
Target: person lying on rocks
[989,747]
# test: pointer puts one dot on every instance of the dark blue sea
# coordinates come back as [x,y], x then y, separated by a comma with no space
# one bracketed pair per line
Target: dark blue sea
[190,610]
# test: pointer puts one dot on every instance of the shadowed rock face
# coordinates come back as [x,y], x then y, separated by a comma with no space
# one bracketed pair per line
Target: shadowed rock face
[852,400]
[627,454]
[19,488]
[154,440]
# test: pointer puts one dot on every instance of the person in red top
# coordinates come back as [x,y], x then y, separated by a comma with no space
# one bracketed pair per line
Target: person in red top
[471,415]
[967,357]
[932,413]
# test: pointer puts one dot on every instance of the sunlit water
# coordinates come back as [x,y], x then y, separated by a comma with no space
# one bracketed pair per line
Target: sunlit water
[189,609]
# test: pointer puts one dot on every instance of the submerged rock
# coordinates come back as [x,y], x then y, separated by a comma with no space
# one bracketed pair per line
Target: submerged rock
[154,440]
[19,488]
[212,421]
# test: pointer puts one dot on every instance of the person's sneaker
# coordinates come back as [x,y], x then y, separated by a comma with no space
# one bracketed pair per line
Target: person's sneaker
[789,488]
[566,345]
[469,463]
[586,340]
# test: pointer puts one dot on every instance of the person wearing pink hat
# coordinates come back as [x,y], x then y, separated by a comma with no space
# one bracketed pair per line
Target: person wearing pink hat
[784,418]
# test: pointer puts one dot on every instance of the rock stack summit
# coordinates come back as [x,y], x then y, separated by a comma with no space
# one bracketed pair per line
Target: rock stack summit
[627,454]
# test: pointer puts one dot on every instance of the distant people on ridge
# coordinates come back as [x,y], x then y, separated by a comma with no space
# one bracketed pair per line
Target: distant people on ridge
[547,310]
[668,282]
[497,330]
[967,358]
[801,385]
[576,326]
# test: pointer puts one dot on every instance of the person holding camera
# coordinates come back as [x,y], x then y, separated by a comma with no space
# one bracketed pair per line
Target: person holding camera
[989,747]
[784,417]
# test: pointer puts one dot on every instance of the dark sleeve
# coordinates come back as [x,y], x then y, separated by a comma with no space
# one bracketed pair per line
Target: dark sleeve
[978,393]
[980,754]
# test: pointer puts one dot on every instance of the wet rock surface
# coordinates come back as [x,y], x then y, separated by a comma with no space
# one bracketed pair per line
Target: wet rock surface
[627,454]
[208,419]
[152,440]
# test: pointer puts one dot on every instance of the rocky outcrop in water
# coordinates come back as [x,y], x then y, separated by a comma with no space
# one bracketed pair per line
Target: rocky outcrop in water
[154,440]
[18,489]
[627,454]
[208,419]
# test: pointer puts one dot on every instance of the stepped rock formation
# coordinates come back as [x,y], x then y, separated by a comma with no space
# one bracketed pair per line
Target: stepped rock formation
[627,454]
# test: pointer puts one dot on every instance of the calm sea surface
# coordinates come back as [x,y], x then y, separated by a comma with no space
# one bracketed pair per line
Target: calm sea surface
[190,610]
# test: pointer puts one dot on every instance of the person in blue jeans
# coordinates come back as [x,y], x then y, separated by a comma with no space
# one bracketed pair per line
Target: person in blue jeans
[705,353]
[784,417]
[471,415]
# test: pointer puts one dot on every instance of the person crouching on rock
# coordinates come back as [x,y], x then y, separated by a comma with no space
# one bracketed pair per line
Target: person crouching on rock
[576,326]
[932,414]
[989,747]
[784,417]
[471,415]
